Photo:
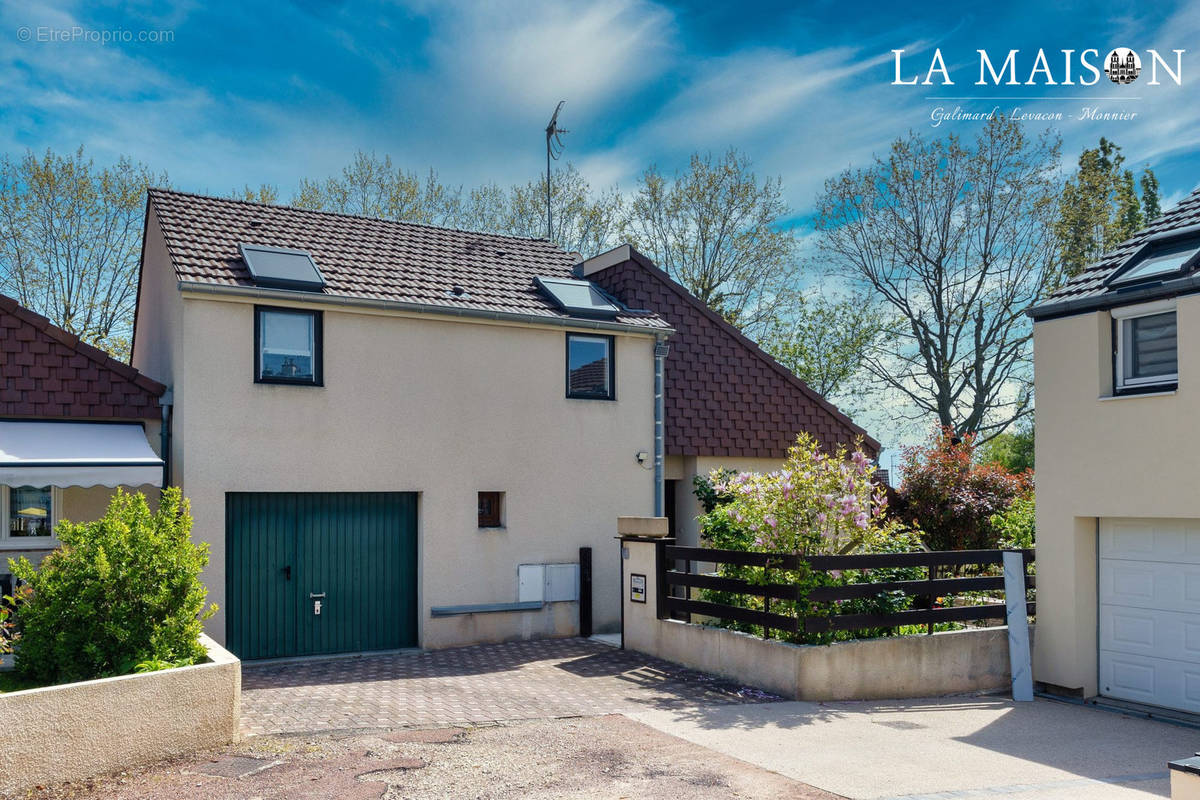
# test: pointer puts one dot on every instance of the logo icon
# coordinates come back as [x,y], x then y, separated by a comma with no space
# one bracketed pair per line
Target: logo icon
[1122,65]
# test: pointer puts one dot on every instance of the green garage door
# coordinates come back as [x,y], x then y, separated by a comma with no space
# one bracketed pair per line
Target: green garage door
[320,572]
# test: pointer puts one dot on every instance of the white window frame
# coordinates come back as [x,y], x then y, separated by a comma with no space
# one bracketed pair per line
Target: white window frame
[29,542]
[1122,315]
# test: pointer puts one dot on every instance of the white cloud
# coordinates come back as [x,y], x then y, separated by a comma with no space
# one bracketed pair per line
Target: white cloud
[523,59]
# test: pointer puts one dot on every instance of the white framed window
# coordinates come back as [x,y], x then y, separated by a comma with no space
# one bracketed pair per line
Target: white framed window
[28,515]
[1146,350]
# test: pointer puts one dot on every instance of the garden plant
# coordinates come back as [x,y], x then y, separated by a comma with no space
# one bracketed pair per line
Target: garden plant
[818,503]
[120,594]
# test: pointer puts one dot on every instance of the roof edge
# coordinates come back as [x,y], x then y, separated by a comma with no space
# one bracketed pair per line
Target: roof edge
[73,342]
[1082,305]
[419,308]
[160,190]
[607,259]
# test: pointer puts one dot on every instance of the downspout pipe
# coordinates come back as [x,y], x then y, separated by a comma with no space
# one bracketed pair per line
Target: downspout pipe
[164,435]
[661,348]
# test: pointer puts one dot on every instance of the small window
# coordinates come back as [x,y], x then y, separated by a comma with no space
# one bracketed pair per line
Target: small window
[491,509]
[287,346]
[590,366]
[29,514]
[1147,355]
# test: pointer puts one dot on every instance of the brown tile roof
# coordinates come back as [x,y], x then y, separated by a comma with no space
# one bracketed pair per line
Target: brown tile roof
[369,258]
[49,373]
[724,395]
[1090,282]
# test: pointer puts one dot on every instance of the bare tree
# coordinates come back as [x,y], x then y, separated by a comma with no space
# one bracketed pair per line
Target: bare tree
[373,187]
[720,233]
[825,339]
[267,193]
[70,241]
[585,221]
[956,241]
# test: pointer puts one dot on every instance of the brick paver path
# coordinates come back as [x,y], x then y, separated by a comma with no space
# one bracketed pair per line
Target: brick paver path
[479,684]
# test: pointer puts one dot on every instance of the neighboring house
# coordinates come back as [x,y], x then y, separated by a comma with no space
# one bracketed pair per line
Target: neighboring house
[1117,356]
[397,435]
[74,424]
[728,403]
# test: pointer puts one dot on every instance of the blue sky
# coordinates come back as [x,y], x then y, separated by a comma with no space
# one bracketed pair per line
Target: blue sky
[254,92]
[260,92]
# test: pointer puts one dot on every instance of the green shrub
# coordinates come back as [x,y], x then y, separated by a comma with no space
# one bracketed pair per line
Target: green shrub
[1016,524]
[951,498]
[121,591]
[10,633]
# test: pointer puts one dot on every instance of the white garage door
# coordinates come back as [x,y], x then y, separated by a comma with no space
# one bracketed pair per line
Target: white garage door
[1150,611]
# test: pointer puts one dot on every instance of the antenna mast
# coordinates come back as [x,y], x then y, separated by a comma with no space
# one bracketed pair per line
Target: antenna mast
[554,148]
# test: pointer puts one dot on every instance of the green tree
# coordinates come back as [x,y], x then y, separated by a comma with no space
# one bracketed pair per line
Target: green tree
[373,187]
[720,232]
[1099,206]
[1012,450]
[1129,218]
[1151,207]
[826,339]
[955,240]
[70,241]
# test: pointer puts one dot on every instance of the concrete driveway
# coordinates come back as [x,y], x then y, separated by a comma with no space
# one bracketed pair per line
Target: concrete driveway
[947,748]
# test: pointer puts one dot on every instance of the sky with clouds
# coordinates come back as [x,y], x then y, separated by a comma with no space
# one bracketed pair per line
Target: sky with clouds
[221,95]
[261,92]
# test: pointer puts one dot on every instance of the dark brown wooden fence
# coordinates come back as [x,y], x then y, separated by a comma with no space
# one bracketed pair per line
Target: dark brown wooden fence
[939,582]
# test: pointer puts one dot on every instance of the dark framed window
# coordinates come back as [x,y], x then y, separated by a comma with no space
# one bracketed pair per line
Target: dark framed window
[591,366]
[491,509]
[287,346]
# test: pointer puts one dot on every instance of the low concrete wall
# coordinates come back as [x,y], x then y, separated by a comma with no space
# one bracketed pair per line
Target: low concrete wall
[868,669]
[77,730]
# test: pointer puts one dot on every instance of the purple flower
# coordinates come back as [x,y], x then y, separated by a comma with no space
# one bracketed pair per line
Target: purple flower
[860,519]
[849,504]
[770,520]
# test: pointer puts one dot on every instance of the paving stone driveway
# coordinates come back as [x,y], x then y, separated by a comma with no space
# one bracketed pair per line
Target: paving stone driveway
[479,684]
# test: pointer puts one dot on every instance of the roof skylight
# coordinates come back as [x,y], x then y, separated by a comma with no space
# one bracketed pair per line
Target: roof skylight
[282,268]
[579,298]
[1158,259]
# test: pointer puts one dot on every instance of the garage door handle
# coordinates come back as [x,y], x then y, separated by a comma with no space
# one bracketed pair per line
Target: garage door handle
[287,573]
[315,595]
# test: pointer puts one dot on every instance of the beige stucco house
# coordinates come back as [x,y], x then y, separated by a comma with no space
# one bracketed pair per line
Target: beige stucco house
[1117,357]
[398,435]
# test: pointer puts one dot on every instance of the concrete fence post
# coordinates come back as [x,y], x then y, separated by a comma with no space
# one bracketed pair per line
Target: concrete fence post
[1019,660]
[640,539]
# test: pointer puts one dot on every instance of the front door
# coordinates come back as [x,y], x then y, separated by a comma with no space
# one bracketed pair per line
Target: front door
[310,573]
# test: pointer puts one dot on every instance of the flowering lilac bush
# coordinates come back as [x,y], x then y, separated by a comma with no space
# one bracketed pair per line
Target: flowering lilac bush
[816,503]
